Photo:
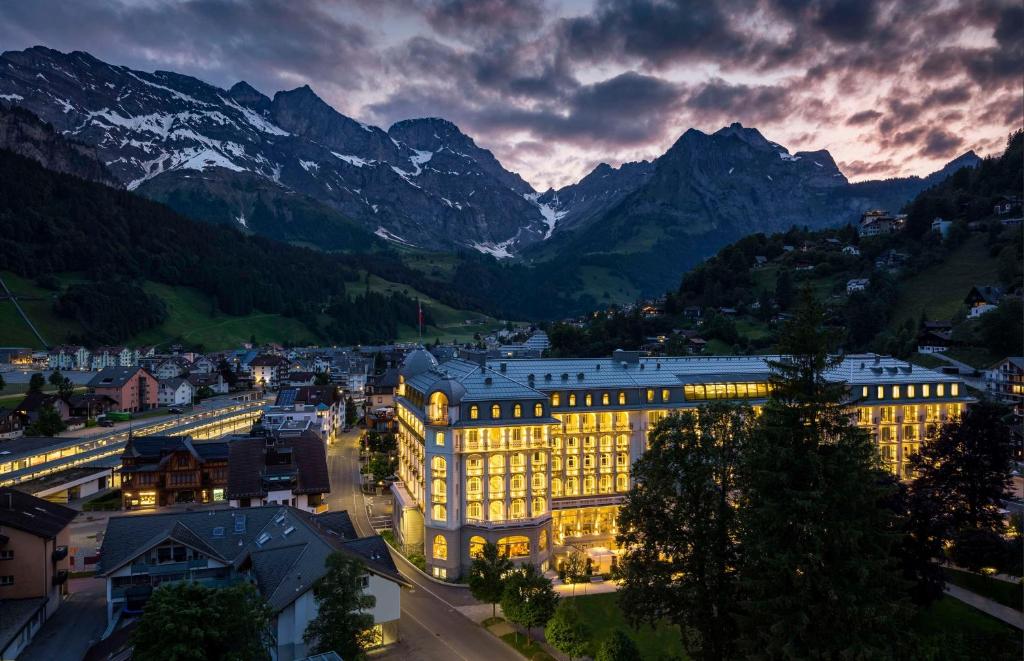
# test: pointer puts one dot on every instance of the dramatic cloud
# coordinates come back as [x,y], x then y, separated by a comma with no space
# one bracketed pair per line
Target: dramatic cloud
[556,86]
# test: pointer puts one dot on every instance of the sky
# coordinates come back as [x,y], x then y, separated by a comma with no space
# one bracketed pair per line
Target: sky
[554,87]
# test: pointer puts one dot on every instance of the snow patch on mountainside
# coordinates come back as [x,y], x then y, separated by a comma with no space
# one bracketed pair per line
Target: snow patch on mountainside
[383,233]
[498,250]
[351,160]
[550,214]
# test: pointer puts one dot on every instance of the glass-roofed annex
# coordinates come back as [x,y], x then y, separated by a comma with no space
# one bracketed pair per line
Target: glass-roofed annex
[534,454]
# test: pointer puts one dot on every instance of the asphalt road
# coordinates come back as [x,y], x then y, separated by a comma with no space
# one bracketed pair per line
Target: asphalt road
[430,627]
[77,624]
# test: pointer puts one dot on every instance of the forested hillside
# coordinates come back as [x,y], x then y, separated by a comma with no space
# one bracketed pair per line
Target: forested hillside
[53,223]
[911,276]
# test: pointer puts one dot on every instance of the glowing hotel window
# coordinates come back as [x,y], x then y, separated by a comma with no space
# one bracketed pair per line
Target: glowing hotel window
[496,411]
[588,399]
[622,398]
[911,391]
[439,512]
[605,399]
[895,392]
[496,512]
[496,487]
[514,547]
[556,399]
[538,410]
[940,390]
[650,394]
[864,392]
[517,411]
[954,389]
[476,546]
[664,394]
[926,390]
[881,392]
[572,399]
[474,412]
[439,439]
[539,506]
[440,548]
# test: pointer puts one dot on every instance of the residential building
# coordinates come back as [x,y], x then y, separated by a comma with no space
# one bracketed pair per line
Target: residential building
[133,388]
[296,379]
[851,250]
[11,424]
[1005,382]
[535,455]
[322,406]
[857,284]
[214,381]
[34,541]
[876,222]
[202,365]
[32,403]
[169,367]
[942,226]
[175,392]
[267,370]
[380,388]
[279,549]
[982,299]
[157,471]
[69,357]
[276,469]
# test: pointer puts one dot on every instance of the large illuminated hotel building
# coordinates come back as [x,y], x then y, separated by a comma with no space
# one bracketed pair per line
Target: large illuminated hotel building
[535,454]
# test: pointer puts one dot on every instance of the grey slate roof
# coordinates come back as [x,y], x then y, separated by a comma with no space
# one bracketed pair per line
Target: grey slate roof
[286,548]
[33,515]
[114,377]
[15,614]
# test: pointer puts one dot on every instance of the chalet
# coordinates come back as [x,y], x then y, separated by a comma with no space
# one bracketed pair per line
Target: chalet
[214,381]
[133,388]
[271,469]
[157,471]
[175,392]
[934,341]
[34,540]
[279,549]
[696,344]
[90,405]
[170,367]
[942,227]
[1006,205]
[982,299]
[296,379]
[12,425]
[33,403]
[851,250]
[857,284]
[202,365]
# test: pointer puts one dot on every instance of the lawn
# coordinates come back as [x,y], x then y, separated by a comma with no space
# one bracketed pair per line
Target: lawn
[940,289]
[948,629]
[526,647]
[977,357]
[603,614]
[1008,594]
[599,280]
[928,360]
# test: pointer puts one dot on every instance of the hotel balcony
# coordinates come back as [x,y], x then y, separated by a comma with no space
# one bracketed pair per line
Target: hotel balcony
[509,523]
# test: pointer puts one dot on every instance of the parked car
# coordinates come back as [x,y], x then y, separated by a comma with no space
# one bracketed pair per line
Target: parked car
[175,410]
[105,422]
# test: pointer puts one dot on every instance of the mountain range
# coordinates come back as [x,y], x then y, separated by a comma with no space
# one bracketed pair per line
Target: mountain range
[293,168]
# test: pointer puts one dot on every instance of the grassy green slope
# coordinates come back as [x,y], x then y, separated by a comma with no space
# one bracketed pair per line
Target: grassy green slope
[193,318]
[940,289]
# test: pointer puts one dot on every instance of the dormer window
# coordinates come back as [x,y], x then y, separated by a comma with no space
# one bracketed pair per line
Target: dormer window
[538,410]
[517,411]
[556,399]
[474,412]
[495,411]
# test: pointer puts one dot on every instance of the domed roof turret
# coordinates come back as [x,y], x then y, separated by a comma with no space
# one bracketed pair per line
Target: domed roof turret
[416,363]
[452,389]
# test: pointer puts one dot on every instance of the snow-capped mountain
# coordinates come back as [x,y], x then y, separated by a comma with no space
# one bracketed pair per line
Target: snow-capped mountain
[421,183]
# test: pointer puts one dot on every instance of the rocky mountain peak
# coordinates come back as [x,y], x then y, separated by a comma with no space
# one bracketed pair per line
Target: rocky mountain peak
[249,96]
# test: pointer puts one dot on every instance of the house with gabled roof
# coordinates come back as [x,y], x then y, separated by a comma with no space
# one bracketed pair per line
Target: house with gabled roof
[164,470]
[278,469]
[281,550]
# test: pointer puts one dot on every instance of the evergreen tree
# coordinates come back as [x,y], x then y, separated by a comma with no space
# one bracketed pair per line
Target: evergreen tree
[567,632]
[351,415]
[189,622]
[961,478]
[818,573]
[785,292]
[55,378]
[617,647]
[343,623]
[679,528]
[528,598]
[36,382]
[48,423]
[487,575]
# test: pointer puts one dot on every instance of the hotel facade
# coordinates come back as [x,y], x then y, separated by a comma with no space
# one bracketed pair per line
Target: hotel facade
[534,455]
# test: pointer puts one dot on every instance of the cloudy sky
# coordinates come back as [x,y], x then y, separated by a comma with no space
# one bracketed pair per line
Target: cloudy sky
[554,87]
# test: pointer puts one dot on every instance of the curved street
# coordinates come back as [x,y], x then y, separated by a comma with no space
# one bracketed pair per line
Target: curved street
[431,626]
